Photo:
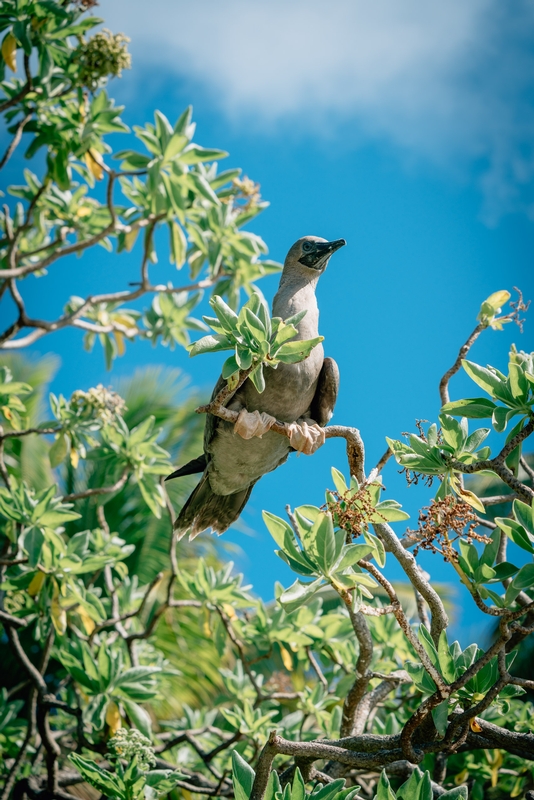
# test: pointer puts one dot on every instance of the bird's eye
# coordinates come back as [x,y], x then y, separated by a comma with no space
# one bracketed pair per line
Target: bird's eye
[307,246]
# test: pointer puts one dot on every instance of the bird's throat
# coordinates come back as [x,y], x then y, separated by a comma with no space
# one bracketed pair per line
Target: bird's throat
[292,298]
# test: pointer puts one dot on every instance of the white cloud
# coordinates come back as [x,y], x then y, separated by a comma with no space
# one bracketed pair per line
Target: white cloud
[451,81]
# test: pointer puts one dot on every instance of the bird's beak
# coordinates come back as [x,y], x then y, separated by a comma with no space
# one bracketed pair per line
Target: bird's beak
[318,257]
[330,247]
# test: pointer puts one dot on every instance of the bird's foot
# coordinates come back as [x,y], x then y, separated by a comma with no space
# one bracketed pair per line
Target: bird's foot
[306,438]
[253,423]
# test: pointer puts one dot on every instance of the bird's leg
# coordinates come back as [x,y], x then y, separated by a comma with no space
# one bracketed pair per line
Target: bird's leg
[306,436]
[253,423]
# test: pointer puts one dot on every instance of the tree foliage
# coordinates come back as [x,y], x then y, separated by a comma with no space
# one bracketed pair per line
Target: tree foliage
[145,667]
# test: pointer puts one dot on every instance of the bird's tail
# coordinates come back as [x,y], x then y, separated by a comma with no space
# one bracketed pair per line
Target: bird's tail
[205,509]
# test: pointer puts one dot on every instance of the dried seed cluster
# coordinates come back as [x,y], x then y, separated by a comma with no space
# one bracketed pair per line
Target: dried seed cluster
[352,512]
[442,523]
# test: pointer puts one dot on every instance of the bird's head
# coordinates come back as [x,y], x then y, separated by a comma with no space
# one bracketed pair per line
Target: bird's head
[312,253]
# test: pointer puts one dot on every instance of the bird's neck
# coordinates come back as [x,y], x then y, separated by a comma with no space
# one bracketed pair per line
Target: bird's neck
[296,294]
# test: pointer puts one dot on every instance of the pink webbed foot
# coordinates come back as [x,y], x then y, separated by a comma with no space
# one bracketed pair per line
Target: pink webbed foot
[253,423]
[306,438]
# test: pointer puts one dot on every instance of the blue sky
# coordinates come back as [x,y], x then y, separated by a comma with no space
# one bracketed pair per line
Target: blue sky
[405,128]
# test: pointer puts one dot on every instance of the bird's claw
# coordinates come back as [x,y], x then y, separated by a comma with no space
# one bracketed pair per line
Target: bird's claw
[253,423]
[306,438]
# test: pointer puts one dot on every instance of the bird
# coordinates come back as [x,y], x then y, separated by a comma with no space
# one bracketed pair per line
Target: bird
[303,395]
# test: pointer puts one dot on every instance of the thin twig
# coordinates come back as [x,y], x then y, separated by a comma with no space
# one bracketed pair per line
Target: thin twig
[16,139]
[117,486]
[464,349]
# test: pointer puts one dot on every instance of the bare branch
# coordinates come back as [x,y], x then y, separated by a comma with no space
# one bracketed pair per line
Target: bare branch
[16,139]
[464,349]
[530,472]
[316,667]
[439,620]
[354,713]
[117,486]
[498,465]
[27,432]
[382,461]
[406,627]
[9,619]
[28,86]
[497,499]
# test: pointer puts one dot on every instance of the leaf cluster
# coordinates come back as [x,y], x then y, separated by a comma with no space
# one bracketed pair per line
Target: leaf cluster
[256,339]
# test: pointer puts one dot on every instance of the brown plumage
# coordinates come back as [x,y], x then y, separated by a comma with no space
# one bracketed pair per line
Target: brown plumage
[294,393]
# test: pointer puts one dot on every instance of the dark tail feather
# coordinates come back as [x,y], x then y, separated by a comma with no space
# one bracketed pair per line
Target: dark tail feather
[191,468]
[205,509]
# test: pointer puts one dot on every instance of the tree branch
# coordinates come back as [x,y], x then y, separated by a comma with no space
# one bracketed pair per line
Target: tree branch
[439,620]
[355,447]
[464,349]
[16,139]
[28,86]
[117,486]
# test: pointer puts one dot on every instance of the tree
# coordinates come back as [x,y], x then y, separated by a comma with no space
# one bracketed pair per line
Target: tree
[143,666]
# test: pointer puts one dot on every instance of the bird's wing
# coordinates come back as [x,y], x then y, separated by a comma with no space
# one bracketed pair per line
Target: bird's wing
[211,421]
[322,405]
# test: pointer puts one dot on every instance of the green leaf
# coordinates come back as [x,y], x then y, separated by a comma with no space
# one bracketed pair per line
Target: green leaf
[524,515]
[230,367]
[524,578]
[135,674]
[258,379]
[59,450]
[33,543]
[483,377]
[445,659]
[227,317]
[472,408]
[389,511]
[102,780]
[139,717]
[458,793]
[203,188]
[353,553]
[242,777]
[297,594]
[339,481]
[379,552]
[504,570]
[284,537]
[383,789]
[515,532]
[178,244]
[298,790]
[210,344]
[293,352]
[324,541]
[475,439]
[255,325]
[489,554]
[184,121]
[426,640]
[453,432]
[175,145]
[518,382]
[500,418]
[194,154]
